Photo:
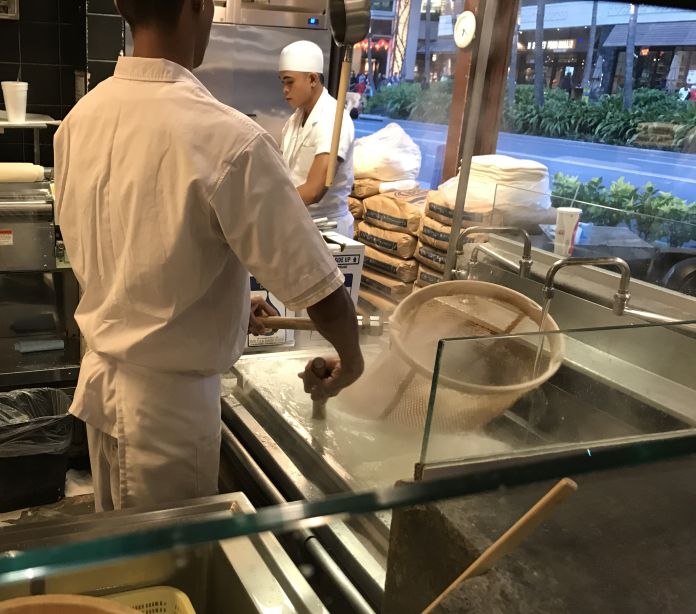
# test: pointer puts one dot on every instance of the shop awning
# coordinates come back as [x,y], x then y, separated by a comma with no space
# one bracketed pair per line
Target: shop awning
[675,34]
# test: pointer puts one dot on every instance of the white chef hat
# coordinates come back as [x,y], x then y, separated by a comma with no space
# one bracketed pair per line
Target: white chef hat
[302,56]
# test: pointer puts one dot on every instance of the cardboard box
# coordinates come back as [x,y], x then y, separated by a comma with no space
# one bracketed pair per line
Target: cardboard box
[349,256]
[280,338]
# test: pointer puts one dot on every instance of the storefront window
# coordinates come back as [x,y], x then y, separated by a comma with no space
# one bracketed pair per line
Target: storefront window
[619,142]
[613,119]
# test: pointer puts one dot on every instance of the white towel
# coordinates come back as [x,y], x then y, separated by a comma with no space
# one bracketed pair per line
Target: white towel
[20,172]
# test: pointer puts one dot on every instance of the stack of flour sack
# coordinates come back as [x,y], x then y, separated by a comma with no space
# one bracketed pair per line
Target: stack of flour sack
[502,191]
[388,208]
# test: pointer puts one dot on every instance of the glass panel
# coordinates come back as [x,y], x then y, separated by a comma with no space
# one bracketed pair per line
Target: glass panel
[517,395]
[615,131]
[642,228]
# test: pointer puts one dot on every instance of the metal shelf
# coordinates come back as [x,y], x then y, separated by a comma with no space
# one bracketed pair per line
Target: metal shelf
[33,122]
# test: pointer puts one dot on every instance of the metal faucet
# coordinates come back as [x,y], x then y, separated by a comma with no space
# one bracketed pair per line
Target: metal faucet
[524,267]
[622,295]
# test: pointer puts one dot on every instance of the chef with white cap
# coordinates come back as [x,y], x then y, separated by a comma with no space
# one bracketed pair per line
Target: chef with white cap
[306,140]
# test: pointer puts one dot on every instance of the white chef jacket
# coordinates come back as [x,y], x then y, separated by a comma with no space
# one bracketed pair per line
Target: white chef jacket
[162,230]
[301,144]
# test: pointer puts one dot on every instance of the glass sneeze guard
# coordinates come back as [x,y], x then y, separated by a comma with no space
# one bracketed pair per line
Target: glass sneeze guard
[613,385]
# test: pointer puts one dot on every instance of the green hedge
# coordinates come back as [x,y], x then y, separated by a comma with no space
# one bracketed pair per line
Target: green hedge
[655,215]
[411,101]
[605,121]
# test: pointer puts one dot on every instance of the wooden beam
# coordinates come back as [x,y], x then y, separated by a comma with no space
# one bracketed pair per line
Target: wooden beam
[496,81]
[463,75]
[496,78]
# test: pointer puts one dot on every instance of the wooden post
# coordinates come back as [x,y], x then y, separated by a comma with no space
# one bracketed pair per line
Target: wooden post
[496,79]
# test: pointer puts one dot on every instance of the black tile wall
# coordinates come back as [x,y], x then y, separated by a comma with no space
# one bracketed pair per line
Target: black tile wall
[98,71]
[105,42]
[44,47]
[102,7]
[104,37]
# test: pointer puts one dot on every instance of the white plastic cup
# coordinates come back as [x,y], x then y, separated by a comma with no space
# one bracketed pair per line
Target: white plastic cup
[567,220]
[15,96]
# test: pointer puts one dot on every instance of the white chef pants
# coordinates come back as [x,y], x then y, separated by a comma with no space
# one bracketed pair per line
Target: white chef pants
[167,437]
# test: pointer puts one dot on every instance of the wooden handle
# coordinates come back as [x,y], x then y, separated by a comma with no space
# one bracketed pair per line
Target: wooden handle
[338,121]
[321,370]
[513,537]
[277,322]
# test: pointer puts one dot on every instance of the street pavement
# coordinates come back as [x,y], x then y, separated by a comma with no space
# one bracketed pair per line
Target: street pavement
[668,171]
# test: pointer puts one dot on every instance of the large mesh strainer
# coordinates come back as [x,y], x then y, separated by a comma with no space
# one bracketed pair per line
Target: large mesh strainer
[478,378]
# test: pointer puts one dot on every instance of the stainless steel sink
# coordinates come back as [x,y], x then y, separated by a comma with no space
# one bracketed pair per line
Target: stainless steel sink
[247,574]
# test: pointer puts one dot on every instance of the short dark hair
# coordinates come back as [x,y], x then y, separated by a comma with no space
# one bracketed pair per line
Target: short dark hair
[150,12]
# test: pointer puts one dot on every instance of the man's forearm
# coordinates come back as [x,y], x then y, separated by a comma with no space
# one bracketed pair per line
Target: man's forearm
[336,321]
[311,195]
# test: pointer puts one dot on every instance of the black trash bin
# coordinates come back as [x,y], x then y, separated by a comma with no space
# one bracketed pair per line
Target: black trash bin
[35,437]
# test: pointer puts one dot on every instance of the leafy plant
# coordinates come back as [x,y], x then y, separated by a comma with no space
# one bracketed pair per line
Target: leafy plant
[433,104]
[397,101]
[654,215]
[603,121]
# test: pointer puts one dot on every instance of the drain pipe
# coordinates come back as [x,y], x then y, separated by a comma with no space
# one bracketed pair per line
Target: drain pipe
[312,545]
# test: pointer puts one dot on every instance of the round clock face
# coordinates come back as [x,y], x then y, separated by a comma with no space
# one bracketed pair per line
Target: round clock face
[465,29]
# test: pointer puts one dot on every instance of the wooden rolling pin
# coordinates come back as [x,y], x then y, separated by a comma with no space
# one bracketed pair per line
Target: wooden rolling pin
[279,322]
[513,537]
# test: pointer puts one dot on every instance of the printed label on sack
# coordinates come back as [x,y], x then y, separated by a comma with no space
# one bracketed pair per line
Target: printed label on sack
[433,234]
[440,210]
[383,217]
[432,256]
[431,279]
[378,242]
[382,266]
[6,237]
[375,285]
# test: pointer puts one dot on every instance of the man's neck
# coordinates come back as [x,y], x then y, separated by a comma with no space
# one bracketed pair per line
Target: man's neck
[309,107]
[152,43]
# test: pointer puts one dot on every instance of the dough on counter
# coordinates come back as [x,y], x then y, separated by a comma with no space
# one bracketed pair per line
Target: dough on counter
[20,172]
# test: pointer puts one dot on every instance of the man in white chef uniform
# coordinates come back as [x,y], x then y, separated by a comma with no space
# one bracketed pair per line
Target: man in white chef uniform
[306,141]
[166,199]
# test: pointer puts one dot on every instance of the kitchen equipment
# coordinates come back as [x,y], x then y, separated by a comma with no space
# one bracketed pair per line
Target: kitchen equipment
[27,233]
[513,537]
[350,23]
[241,63]
[63,604]
[475,382]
